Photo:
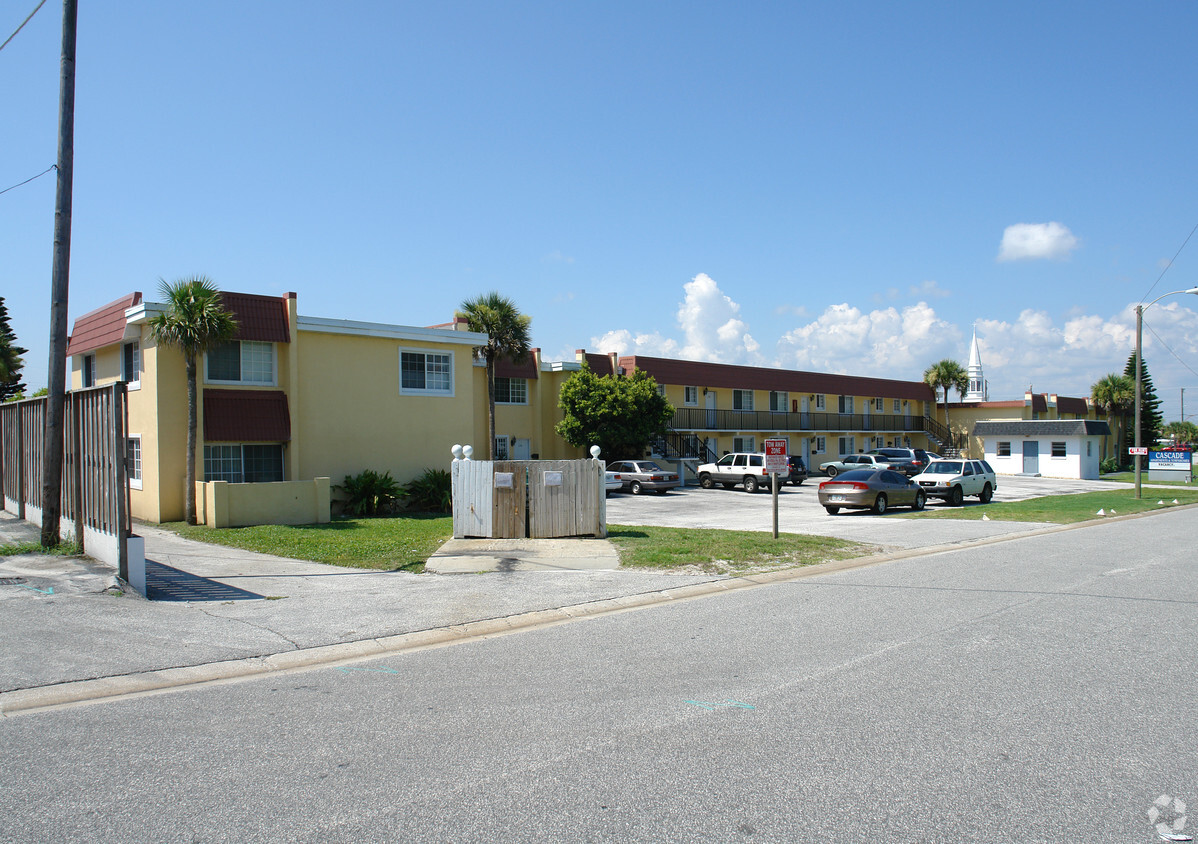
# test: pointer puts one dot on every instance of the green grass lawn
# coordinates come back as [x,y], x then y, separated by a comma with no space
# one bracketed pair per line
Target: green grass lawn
[725,551]
[405,542]
[399,542]
[1064,509]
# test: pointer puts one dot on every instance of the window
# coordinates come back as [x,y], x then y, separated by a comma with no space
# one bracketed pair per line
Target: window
[133,460]
[879,442]
[131,363]
[242,362]
[820,445]
[1058,449]
[743,444]
[896,406]
[879,404]
[661,390]
[742,399]
[1004,449]
[845,404]
[511,391]
[848,445]
[89,370]
[779,401]
[690,395]
[819,401]
[502,450]
[1089,448]
[248,464]
[425,373]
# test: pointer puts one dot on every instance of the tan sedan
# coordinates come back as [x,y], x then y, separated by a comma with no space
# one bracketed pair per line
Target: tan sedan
[870,489]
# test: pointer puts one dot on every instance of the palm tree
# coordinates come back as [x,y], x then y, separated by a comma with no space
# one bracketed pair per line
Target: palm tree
[948,374]
[507,332]
[194,321]
[1115,395]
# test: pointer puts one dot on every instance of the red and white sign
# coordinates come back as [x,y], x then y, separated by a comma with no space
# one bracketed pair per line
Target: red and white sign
[776,458]
[1141,450]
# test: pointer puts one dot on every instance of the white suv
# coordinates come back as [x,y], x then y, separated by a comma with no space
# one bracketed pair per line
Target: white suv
[735,469]
[952,480]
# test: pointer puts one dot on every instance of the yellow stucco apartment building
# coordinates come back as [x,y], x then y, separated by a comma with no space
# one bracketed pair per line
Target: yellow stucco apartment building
[296,398]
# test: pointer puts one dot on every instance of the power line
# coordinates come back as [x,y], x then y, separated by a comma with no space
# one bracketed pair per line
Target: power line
[22,26]
[31,178]
[1169,265]
[1170,350]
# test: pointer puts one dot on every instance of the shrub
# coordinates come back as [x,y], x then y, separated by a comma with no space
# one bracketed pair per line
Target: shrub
[431,491]
[1110,466]
[370,493]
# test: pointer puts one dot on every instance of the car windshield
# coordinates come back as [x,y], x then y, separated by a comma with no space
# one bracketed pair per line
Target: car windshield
[945,467]
[855,475]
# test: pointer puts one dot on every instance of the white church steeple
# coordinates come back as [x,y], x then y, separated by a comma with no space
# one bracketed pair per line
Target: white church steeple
[977,383]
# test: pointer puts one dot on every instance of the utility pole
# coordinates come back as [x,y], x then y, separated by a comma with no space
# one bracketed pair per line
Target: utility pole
[52,445]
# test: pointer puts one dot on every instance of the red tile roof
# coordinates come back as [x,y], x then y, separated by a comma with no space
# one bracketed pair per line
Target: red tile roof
[246,416]
[504,368]
[701,374]
[259,317]
[101,327]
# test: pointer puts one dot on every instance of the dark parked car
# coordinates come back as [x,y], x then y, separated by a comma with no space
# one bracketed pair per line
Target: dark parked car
[639,475]
[870,489]
[798,470]
[909,461]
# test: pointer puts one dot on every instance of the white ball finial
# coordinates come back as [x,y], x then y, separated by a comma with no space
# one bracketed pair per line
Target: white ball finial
[456,451]
[595,452]
[468,451]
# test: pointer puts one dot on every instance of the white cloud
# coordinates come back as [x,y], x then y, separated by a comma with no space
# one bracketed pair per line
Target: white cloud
[928,290]
[1033,241]
[624,342]
[711,325]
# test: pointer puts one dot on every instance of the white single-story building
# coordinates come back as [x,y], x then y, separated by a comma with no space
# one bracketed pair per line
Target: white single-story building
[1052,448]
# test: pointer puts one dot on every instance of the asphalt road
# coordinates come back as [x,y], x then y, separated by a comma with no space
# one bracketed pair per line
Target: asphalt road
[1036,690]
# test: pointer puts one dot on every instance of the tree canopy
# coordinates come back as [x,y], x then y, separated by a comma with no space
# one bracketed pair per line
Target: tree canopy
[11,362]
[195,320]
[508,337]
[619,414]
[1151,418]
[947,374]
[1114,395]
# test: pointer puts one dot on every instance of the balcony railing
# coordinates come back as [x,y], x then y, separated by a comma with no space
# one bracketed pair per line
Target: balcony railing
[702,419]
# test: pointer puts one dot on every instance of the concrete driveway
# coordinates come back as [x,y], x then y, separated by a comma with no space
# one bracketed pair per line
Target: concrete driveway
[799,511]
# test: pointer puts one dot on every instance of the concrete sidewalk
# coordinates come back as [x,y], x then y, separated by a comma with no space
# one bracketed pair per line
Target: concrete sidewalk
[234,608]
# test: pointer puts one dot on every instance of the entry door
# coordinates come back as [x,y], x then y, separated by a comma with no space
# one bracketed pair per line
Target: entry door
[805,410]
[521,449]
[710,399]
[1031,457]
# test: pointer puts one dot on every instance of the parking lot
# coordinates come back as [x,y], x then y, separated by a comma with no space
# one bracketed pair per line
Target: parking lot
[799,511]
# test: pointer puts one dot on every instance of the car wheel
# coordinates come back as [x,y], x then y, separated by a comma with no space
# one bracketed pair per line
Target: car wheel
[955,497]
[832,511]
[750,484]
[831,471]
[987,493]
[920,501]
[880,503]
[797,483]
[635,488]
[705,481]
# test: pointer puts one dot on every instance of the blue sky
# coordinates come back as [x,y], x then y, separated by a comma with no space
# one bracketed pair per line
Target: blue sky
[841,187]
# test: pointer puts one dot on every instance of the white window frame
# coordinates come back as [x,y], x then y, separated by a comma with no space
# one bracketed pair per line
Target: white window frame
[132,379]
[523,388]
[896,406]
[690,396]
[744,443]
[844,404]
[88,371]
[243,381]
[779,401]
[503,447]
[821,402]
[847,445]
[1052,448]
[241,447]
[424,391]
[1002,448]
[879,404]
[821,444]
[133,461]
[742,394]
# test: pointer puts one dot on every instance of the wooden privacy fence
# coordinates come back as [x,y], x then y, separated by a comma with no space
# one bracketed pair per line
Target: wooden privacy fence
[513,499]
[95,493]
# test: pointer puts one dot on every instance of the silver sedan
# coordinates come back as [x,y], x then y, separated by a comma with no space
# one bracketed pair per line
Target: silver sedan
[870,489]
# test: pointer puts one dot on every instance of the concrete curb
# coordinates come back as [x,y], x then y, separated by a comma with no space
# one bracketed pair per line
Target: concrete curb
[83,692]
